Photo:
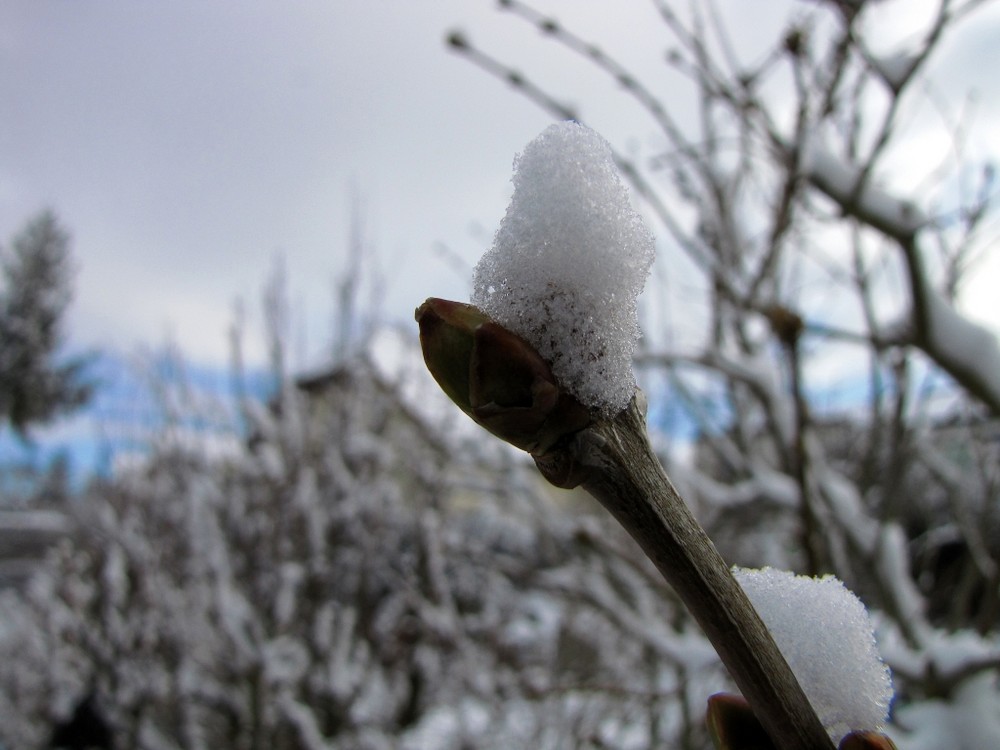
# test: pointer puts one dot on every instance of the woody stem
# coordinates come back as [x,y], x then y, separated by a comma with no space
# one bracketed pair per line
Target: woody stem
[614,462]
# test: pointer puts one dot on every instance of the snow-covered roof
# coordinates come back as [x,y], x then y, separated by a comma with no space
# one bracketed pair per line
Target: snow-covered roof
[392,357]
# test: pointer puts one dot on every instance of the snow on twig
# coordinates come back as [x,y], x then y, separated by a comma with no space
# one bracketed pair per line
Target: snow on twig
[963,348]
[843,183]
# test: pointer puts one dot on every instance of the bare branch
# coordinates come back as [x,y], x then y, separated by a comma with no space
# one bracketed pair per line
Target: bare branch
[620,470]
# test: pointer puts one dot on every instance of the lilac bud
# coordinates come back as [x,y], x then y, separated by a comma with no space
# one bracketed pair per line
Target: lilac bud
[496,377]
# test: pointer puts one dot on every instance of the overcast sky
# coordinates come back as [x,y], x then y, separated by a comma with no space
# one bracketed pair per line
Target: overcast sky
[186,144]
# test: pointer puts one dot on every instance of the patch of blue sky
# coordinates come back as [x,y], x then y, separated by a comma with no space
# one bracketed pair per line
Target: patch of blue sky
[684,414]
[135,400]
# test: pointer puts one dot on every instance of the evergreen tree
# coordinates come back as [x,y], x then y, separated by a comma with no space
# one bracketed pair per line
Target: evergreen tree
[36,289]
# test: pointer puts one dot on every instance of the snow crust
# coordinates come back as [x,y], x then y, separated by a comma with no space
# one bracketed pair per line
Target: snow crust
[824,632]
[568,263]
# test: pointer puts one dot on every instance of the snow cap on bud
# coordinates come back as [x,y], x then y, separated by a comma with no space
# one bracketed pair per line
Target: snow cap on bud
[825,634]
[568,263]
[496,377]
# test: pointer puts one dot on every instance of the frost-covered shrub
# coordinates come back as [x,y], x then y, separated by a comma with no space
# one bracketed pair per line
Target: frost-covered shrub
[337,587]
[568,263]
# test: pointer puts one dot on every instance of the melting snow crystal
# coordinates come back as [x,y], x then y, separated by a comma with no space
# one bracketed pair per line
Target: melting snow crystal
[568,263]
[824,632]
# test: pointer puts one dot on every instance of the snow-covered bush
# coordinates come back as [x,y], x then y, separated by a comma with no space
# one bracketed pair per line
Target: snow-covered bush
[342,585]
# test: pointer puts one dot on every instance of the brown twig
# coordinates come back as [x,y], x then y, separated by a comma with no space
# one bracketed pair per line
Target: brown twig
[614,462]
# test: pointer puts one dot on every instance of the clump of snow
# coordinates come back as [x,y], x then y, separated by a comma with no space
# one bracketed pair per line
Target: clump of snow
[568,263]
[826,636]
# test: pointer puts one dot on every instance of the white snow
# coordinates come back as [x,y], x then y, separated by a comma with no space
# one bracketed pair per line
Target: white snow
[824,632]
[963,345]
[568,263]
[969,717]
[839,180]
[970,721]
[893,564]
[950,656]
